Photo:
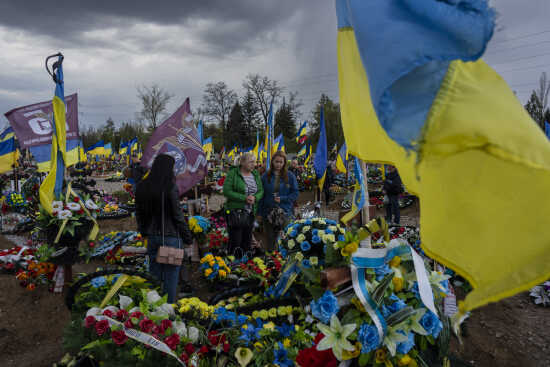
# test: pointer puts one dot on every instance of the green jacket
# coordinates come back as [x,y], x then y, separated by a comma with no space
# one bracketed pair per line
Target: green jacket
[234,189]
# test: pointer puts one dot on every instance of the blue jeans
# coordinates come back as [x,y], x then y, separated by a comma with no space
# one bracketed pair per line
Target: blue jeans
[392,208]
[166,273]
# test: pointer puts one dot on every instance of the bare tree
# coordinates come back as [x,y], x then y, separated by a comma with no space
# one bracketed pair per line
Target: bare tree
[154,100]
[542,92]
[217,102]
[264,90]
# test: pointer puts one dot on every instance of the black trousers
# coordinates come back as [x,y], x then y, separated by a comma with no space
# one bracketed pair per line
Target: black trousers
[240,237]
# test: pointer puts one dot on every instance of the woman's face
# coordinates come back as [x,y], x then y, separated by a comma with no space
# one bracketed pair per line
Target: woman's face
[278,163]
[248,165]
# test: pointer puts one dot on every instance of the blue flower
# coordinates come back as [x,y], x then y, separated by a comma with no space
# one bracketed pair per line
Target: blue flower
[316,239]
[397,305]
[306,263]
[281,358]
[98,282]
[382,271]
[445,284]
[307,222]
[341,238]
[330,222]
[415,290]
[270,292]
[283,253]
[250,334]
[242,319]
[385,311]
[405,347]
[431,323]
[328,231]
[314,232]
[115,277]
[325,307]
[293,233]
[285,330]
[368,337]
[305,246]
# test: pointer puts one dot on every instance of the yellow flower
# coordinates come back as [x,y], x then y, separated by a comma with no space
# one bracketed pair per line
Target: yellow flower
[281,311]
[207,272]
[211,263]
[380,355]
[394,263]
[185,308]
[358,304]
[245,326]
[272,312]
[222,273]
[258,346]
[264,315]
[351,355]
[218,258]
[301,238]
[269,326]
[255,314]
[299,256]
[291,244]
[397,284]
[286,343]
[404,361]
[349,249]
[314,260]
[229,307]
[288,310]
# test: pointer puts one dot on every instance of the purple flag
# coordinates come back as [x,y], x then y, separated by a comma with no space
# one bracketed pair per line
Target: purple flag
[33,124]
[178,137]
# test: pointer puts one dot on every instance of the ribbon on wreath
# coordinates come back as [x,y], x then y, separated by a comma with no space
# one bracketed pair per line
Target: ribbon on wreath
[366,258]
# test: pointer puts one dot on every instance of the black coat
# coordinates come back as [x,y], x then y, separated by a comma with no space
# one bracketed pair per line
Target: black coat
[393,184]
[149,218]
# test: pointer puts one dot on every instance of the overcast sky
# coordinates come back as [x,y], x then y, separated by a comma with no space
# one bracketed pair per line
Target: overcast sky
[111,47]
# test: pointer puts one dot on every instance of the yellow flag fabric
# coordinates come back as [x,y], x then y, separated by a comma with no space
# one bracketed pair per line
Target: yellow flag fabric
[82,155]
[482,169]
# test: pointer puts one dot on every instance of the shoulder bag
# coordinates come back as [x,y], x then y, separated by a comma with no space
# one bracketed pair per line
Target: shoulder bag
[166,254]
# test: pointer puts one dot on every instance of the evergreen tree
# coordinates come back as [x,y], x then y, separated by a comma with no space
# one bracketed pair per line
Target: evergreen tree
[285,123]
[250,111]
[535,109]
[236,133]
[333,123]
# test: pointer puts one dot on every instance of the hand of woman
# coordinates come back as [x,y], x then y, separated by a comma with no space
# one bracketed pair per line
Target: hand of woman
[250,199]
[277,199]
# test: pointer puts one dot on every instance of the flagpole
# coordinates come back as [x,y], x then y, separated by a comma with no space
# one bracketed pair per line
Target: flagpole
[365,215]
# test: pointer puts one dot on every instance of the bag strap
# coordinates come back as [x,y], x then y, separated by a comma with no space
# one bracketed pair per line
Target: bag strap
[162,215]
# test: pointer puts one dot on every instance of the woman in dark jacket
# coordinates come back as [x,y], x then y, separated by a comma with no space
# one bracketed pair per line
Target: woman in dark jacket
[280,190]
[161,220]
[243,190]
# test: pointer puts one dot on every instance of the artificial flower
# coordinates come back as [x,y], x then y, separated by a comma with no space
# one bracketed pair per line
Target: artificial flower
[291,244]
[57,206]
[119,337]
[64,214]
[368,337]
[346,355]
[91,205]
[243,356]
[349,249]
[336,337]
[74,206]
[431,323]
[325,307]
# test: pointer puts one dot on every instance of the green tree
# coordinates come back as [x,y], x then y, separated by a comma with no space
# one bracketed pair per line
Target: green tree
[250,113]
[333,123]
[285,123]
[214,131]
[237,133]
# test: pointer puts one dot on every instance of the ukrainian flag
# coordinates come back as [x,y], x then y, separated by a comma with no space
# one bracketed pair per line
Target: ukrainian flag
[83,157]
[8,150]
[279,143]
[321,154]
[456,132]
[208,147]
[50,189]
[302,151]
[96,149]
[309,152]
[133,144]
[359,197]
[342,159]
[547,129]
[199,130]
[301,135]
[108,149]
[123,149]
[256,150]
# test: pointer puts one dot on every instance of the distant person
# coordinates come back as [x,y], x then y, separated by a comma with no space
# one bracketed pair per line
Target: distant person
[134,172]
[392,187]
[329,180]
[161,220]
[280,191]
[243,190]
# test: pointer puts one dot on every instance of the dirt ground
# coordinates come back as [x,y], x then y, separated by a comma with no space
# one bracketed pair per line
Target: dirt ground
[510,333]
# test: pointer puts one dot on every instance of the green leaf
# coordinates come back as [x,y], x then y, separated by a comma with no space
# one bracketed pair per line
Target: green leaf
[364,359]
[350,316]
[316,291]
[312,275]
[138,352]
[400,316]
[97,343]
[378,294]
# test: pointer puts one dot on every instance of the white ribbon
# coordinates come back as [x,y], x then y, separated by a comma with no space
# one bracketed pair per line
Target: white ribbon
[142,337]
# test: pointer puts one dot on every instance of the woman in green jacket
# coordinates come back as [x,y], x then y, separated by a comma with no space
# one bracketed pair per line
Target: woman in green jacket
[243,191]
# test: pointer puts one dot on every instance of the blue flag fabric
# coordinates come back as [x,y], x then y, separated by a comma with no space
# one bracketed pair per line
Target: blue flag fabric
[199,129]
[547,129]
[321,153]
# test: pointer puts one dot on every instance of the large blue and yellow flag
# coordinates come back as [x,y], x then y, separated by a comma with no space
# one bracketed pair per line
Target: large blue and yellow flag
[302,151]
[51,187]
[133,145]
[199,129]
[123,149]
[81,154]
[8,150]
[459,137]
[321,153]
[342,159]
[359,194]
[302,133]
[108,149]
[547,129]
[96,149]
[279,143]
[256,149]
[309,152]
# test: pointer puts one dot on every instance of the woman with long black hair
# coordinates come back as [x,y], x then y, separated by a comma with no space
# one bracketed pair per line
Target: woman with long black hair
[160,219]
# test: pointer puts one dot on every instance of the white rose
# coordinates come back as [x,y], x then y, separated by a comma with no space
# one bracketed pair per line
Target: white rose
[152,297]
[301,238]
[291,244]
[124,301]
[193,334]
[180,328]
[57,206]
[305,229]
[74,206]
[64,214]
[90,204]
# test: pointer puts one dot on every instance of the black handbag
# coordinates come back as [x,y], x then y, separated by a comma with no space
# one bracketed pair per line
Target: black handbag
[239,218]
[277,217]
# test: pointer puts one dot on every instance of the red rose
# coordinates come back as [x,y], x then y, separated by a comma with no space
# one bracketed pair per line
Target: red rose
[172,341]
[122,315]
[215,337]
[128,324]
[166,324]
[119,337]
[136,314]
[184,357]
[203,350]
[89,321]
[80,211]
[101,327]
[146,325]
[108,313]
[76,199]
[189,348]
[158,330]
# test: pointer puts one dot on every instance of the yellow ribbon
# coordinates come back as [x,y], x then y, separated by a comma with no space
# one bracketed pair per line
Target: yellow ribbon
[120,281]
